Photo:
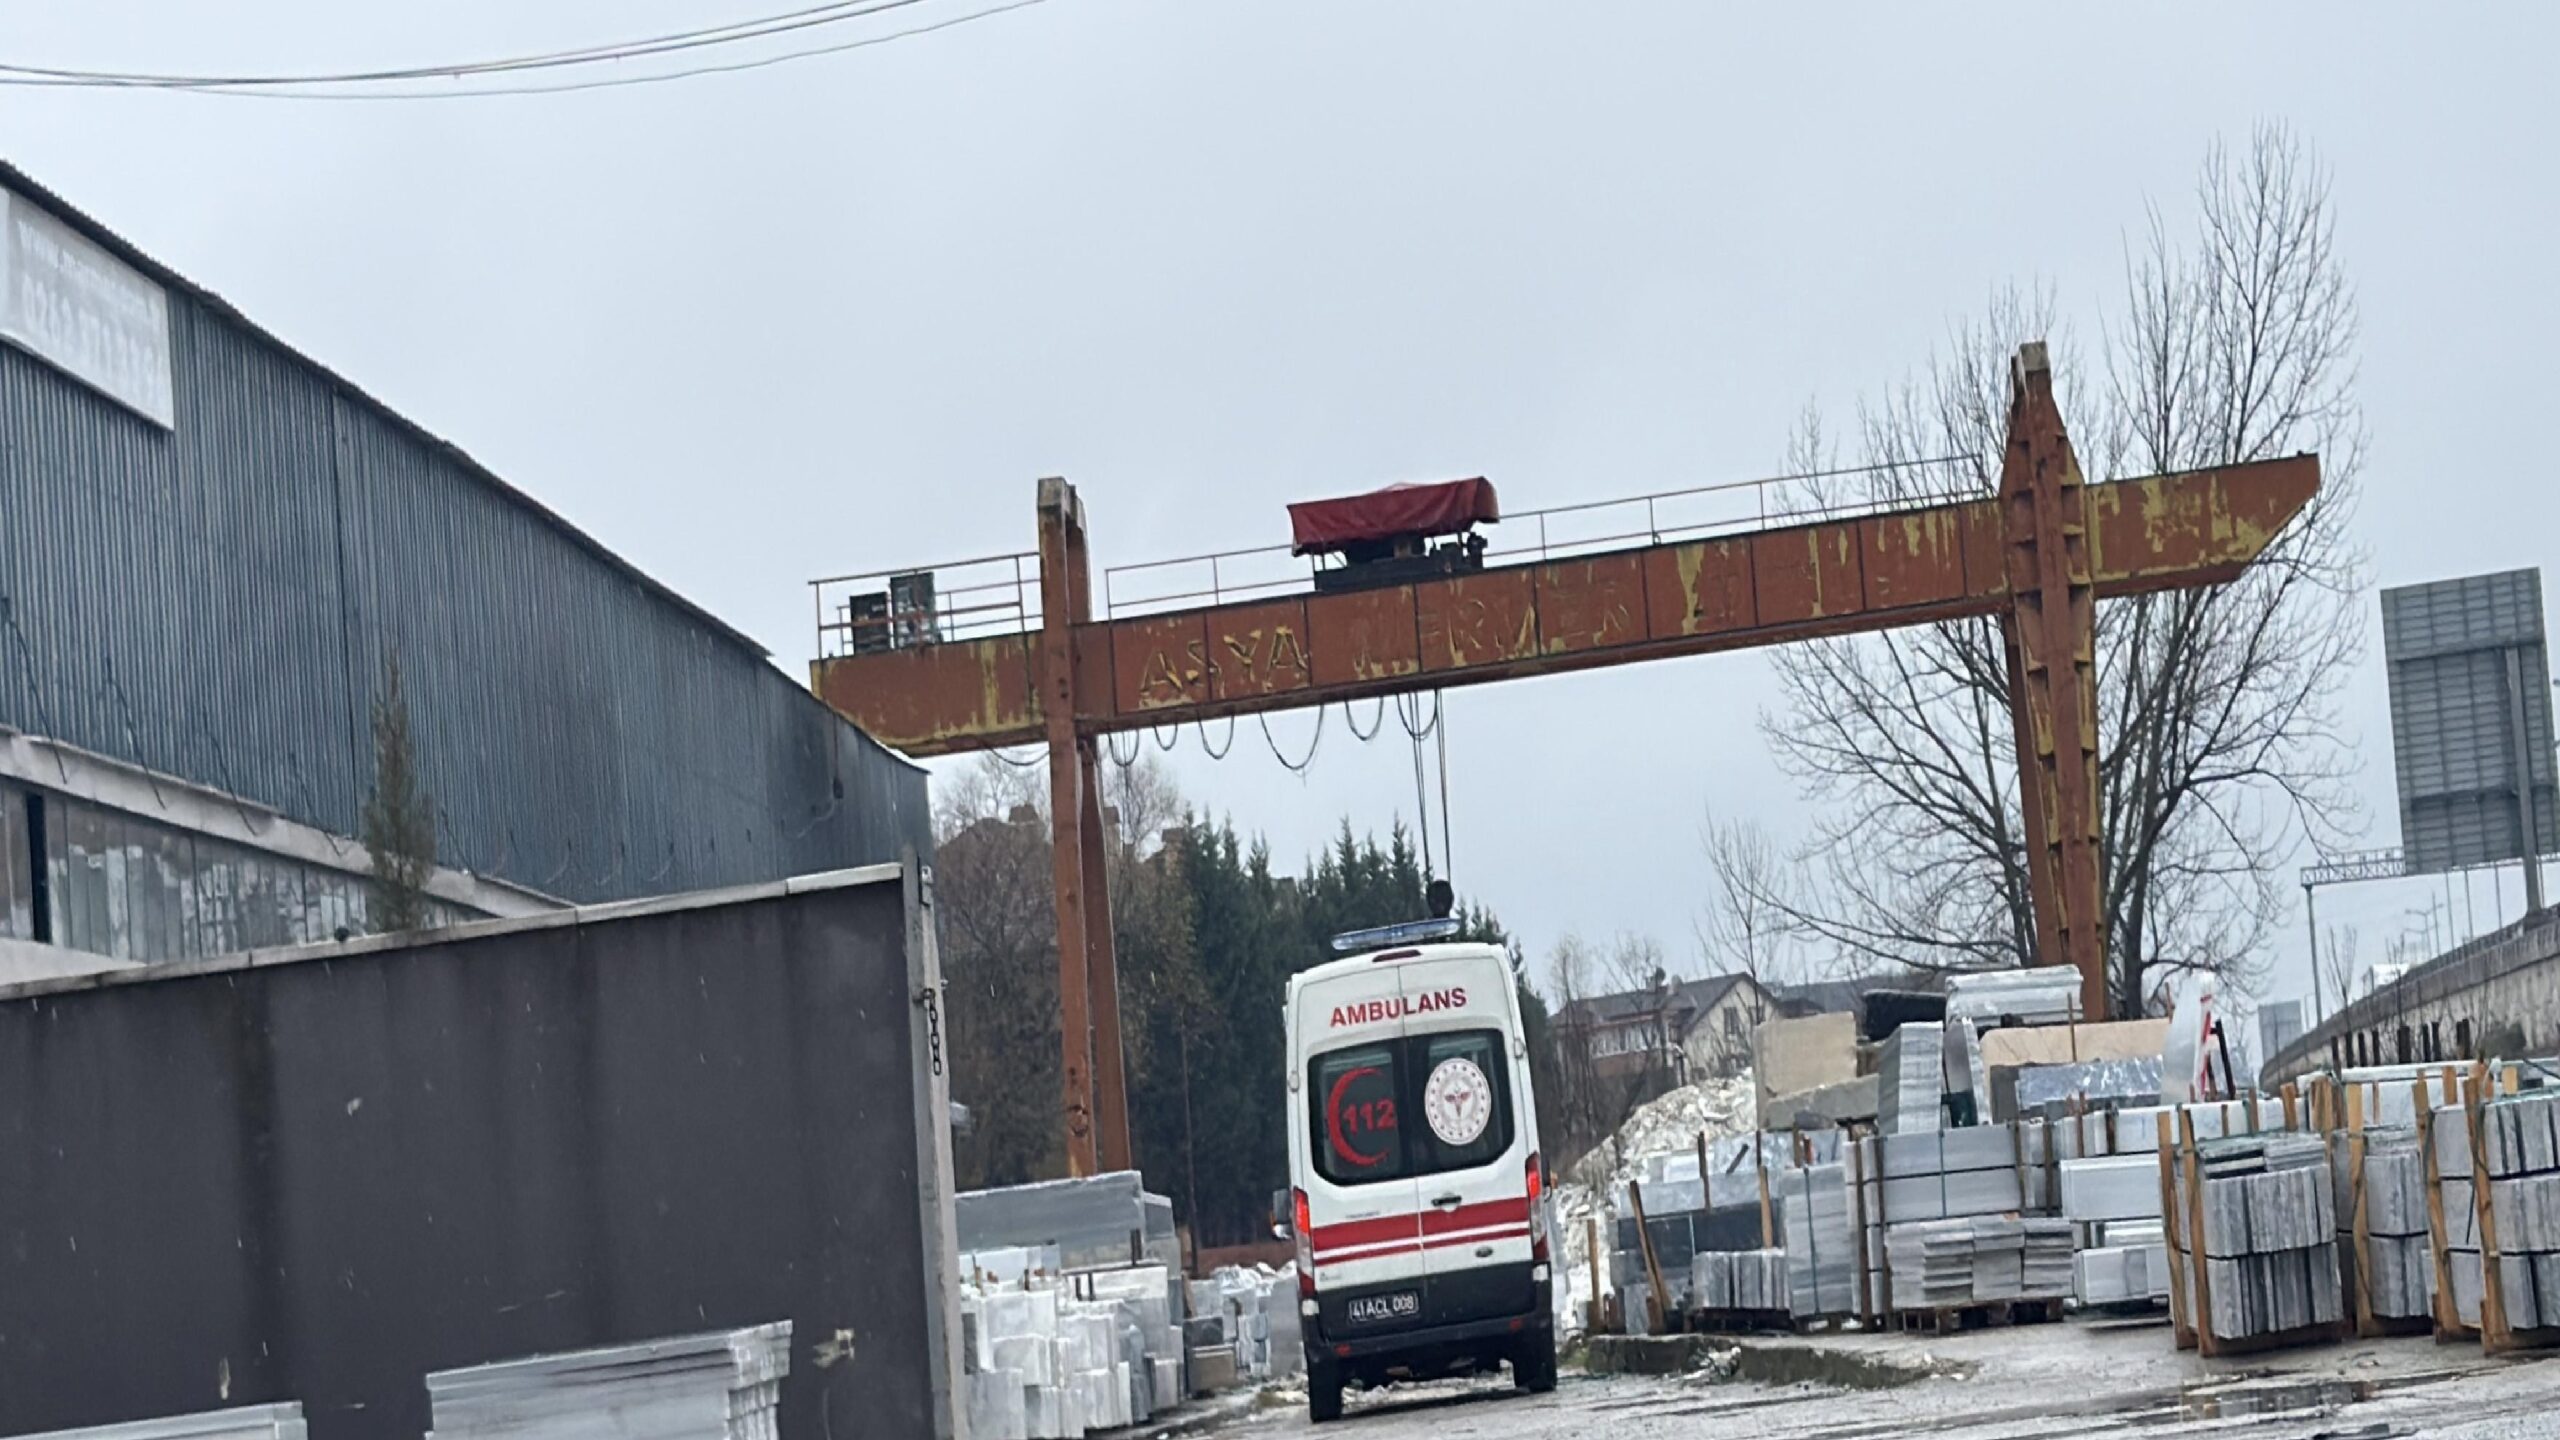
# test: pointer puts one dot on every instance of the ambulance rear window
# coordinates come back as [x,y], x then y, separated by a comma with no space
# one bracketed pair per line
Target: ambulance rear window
[1359,1104]
[1418,1105]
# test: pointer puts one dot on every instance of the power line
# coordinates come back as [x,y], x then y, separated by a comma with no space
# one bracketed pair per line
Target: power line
[784,23]
[278,88]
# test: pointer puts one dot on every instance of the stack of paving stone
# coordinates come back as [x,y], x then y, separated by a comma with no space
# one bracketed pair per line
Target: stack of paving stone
[1744,1280]
[1099,1222]
[1978,1260]
[2270,1236]
[2450,1126]
[2521,1135]
[253,1422]
[2130,1268]
[1813,1215]
[2397,1269]
[722,1385]
[1911,1079]
[1971,1172]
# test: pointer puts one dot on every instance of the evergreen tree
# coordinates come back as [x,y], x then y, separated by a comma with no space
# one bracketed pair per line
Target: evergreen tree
[399,817]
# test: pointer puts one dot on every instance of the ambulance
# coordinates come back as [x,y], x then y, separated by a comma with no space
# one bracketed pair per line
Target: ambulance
[1416,1198]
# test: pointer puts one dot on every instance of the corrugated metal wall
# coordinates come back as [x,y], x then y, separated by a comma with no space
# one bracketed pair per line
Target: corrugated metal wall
[220,603]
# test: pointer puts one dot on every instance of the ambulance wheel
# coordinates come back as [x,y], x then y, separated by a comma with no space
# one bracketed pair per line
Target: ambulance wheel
[1324,1394]
[1533,1369]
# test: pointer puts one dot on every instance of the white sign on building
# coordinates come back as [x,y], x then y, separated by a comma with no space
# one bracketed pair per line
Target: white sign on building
[68,302]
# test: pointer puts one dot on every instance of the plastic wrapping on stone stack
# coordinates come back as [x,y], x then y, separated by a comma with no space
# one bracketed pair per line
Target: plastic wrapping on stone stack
[2270,1238]
[721,1385]
[1813,1215]
[1050,1357]
[1911,1080]
[2397,1270]
[2046,1089]
[1100,1222]
[250,1422]
[2045,995]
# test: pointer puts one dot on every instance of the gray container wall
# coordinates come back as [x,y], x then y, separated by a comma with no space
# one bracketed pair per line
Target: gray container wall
[218,603]
[321,1179]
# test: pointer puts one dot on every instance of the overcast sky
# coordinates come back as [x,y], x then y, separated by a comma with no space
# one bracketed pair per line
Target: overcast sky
[1206,258]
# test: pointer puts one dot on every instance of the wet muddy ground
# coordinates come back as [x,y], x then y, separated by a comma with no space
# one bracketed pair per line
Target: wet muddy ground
[2037,1381]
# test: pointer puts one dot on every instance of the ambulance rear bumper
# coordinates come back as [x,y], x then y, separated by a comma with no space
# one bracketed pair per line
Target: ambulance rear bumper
[1481,1336]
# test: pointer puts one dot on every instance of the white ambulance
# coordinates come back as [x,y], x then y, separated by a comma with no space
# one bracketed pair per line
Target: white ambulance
[1416,1199]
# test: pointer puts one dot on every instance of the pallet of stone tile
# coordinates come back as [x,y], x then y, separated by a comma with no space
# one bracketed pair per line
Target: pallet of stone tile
[719,1385]
[1097,1222]
[2256,1230]
[248,1422]
[1822,1273]
[1952,1319]
[2514,1149]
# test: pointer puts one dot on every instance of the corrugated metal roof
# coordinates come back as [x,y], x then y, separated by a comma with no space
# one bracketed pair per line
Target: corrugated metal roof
[125,250]
[219,601]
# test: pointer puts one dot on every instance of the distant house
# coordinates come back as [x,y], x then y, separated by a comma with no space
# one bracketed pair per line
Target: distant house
[1680,1031]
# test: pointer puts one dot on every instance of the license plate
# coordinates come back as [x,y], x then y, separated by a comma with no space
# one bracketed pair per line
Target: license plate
[1384,1309]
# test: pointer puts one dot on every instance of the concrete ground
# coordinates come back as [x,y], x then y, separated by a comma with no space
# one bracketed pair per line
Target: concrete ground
[2030,1381]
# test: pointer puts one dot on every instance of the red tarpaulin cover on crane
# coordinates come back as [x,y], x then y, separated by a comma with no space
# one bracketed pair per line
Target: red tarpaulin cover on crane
[1443,507]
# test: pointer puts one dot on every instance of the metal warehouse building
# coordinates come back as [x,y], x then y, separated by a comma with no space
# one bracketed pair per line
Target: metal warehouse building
[211,547]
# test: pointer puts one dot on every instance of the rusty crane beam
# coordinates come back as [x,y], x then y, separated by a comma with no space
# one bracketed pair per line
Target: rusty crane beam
[2039,554]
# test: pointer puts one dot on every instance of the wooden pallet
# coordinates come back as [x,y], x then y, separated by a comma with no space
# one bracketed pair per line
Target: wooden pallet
[1739,1322]
[2329,1334]
[1949,1319]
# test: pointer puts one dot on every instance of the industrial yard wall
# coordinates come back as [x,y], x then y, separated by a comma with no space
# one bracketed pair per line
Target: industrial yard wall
[319,1174]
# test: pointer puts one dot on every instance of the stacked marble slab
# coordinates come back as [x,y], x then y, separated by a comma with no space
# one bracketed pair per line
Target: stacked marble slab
[2132,1268]
[1739,1280]
[2046,995]
[1098,1222]
[1911,1080]
[1978,1260]
[1822,1268]
[252,1422]
[720,1385]
[2451,1129]
[2397,1267]
[1974,1171]
[2521,1137]
[2270,1236]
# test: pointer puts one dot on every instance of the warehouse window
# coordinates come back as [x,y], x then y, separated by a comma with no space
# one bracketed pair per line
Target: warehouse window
[17,869]
[2462,1037]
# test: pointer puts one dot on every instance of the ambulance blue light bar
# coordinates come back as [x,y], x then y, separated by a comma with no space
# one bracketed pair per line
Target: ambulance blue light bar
[1411,932]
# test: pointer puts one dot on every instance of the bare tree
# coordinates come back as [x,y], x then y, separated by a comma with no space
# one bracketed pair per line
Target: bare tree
[2217,706]
[2339,966]
[1747,928]
[999,953]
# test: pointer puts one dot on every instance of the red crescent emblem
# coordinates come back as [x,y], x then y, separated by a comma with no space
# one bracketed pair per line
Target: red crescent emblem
[1333,1120]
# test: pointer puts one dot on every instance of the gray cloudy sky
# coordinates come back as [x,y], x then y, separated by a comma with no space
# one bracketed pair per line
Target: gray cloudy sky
[1208,257]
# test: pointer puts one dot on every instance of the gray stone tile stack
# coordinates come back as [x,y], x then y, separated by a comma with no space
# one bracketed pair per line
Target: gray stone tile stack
[1911,1080]
[2399,1265]
[721,1385]
[252,1422]
[2520,1135]
[1978,1260]
[2270,1236]
[1739,1280]
[1813,1216]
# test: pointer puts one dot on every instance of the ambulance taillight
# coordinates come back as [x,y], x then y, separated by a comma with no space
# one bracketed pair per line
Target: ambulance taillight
[1536,1179]
[1301,1230]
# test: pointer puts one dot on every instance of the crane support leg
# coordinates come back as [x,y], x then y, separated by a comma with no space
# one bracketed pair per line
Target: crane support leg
[2050,630]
